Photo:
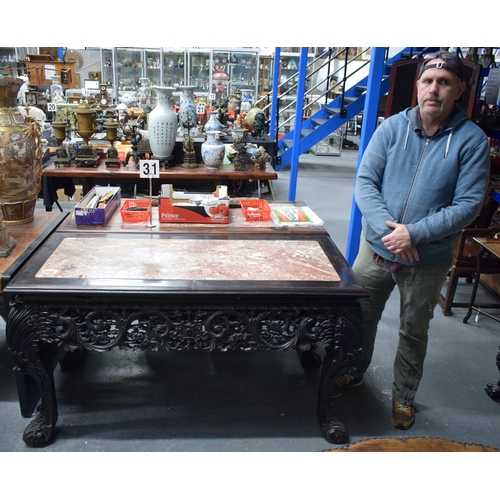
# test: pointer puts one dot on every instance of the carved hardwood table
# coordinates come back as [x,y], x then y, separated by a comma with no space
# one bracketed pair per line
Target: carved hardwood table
[28,237]
[239,287]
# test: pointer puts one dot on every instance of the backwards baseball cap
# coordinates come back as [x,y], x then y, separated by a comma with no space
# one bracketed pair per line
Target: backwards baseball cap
[451,62]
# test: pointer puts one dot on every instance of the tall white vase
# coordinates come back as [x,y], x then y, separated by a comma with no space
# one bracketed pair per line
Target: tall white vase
[162,124]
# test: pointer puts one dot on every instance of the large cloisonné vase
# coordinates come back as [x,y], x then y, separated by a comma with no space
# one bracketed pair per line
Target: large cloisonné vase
[20,157]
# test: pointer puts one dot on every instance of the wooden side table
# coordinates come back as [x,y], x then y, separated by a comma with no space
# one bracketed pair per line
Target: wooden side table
[489,247]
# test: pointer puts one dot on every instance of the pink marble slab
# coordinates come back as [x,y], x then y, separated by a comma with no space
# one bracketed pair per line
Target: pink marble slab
[189,259]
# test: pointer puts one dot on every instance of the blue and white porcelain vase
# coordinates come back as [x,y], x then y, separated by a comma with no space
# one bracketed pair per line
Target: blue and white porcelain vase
[162,124]
[212,151]
[213,124]
[246,100]
[187,108]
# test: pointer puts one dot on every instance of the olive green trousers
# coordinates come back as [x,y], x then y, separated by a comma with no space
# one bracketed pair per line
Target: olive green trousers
[419,288]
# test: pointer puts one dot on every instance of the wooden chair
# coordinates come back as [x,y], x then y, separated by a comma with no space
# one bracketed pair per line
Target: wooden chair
[466,249]
[465,264]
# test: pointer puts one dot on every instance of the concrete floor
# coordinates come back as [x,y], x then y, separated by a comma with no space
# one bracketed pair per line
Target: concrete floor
[262,401]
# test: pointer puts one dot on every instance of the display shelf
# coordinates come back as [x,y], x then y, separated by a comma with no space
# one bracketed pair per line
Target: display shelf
[266,74]
[200,69]
[108,64]
[153,63]
[9,65]
[174,67]
[241,67]
[129,68]
[243,72]
[122,68]
[329,146]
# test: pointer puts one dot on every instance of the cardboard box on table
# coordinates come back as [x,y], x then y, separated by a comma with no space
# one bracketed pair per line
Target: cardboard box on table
[179,206]
[97,216]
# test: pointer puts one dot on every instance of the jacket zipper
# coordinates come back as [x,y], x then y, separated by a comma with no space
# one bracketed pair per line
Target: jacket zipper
[414,179]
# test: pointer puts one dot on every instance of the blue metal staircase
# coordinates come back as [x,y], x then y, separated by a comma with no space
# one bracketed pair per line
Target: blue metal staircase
[334,114]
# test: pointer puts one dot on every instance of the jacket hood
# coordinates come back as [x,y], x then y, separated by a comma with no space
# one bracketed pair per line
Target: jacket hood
[459,116]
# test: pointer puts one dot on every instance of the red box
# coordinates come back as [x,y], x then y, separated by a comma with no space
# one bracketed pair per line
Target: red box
[255,210]
[135,216]
[194,208]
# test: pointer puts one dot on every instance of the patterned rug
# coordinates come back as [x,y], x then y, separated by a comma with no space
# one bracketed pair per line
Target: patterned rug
[411,444]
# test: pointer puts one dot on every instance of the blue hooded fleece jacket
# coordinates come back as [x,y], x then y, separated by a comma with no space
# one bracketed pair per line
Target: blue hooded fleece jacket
[434,185]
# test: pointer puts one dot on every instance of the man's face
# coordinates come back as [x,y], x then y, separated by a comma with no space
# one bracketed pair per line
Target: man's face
[437,91]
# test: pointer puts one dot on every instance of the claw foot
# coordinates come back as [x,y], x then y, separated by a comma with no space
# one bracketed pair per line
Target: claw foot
[40,430]
[333,429]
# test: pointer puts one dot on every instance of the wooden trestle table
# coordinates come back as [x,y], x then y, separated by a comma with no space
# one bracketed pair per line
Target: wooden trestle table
[103,175]
[239,286]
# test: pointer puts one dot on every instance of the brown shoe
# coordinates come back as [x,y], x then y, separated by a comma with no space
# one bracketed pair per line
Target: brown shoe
[345,382]
[403,416]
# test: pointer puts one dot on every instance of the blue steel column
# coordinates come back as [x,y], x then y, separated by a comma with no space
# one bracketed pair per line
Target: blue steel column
[274,95]
[370,115]
[294,167]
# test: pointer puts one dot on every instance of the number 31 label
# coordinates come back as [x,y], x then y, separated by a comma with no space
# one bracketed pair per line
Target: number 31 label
[149,169]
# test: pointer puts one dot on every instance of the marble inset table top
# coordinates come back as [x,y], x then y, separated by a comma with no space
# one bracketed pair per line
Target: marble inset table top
[189,259]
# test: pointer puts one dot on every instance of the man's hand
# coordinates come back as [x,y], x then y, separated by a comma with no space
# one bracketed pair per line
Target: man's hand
[399,242]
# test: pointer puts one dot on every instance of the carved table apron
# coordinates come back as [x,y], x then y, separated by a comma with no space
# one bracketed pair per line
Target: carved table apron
[174,291]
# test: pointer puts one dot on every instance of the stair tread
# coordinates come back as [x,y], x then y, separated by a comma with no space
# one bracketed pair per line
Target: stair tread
[319,121]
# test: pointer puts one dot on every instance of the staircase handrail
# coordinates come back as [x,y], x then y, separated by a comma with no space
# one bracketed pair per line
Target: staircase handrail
[339,84]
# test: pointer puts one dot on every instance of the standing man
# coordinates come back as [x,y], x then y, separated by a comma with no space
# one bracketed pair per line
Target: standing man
[422,179]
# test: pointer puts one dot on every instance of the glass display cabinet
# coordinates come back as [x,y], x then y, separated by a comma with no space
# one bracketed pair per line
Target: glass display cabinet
[11,60]
[234,70]
[266,75]
[122,68]
[218,72]
[244,71]
[174,67]
[129,68]
[289,66]
[329,146]
[219,82]
[153,66]
[108,65]
[199,69]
